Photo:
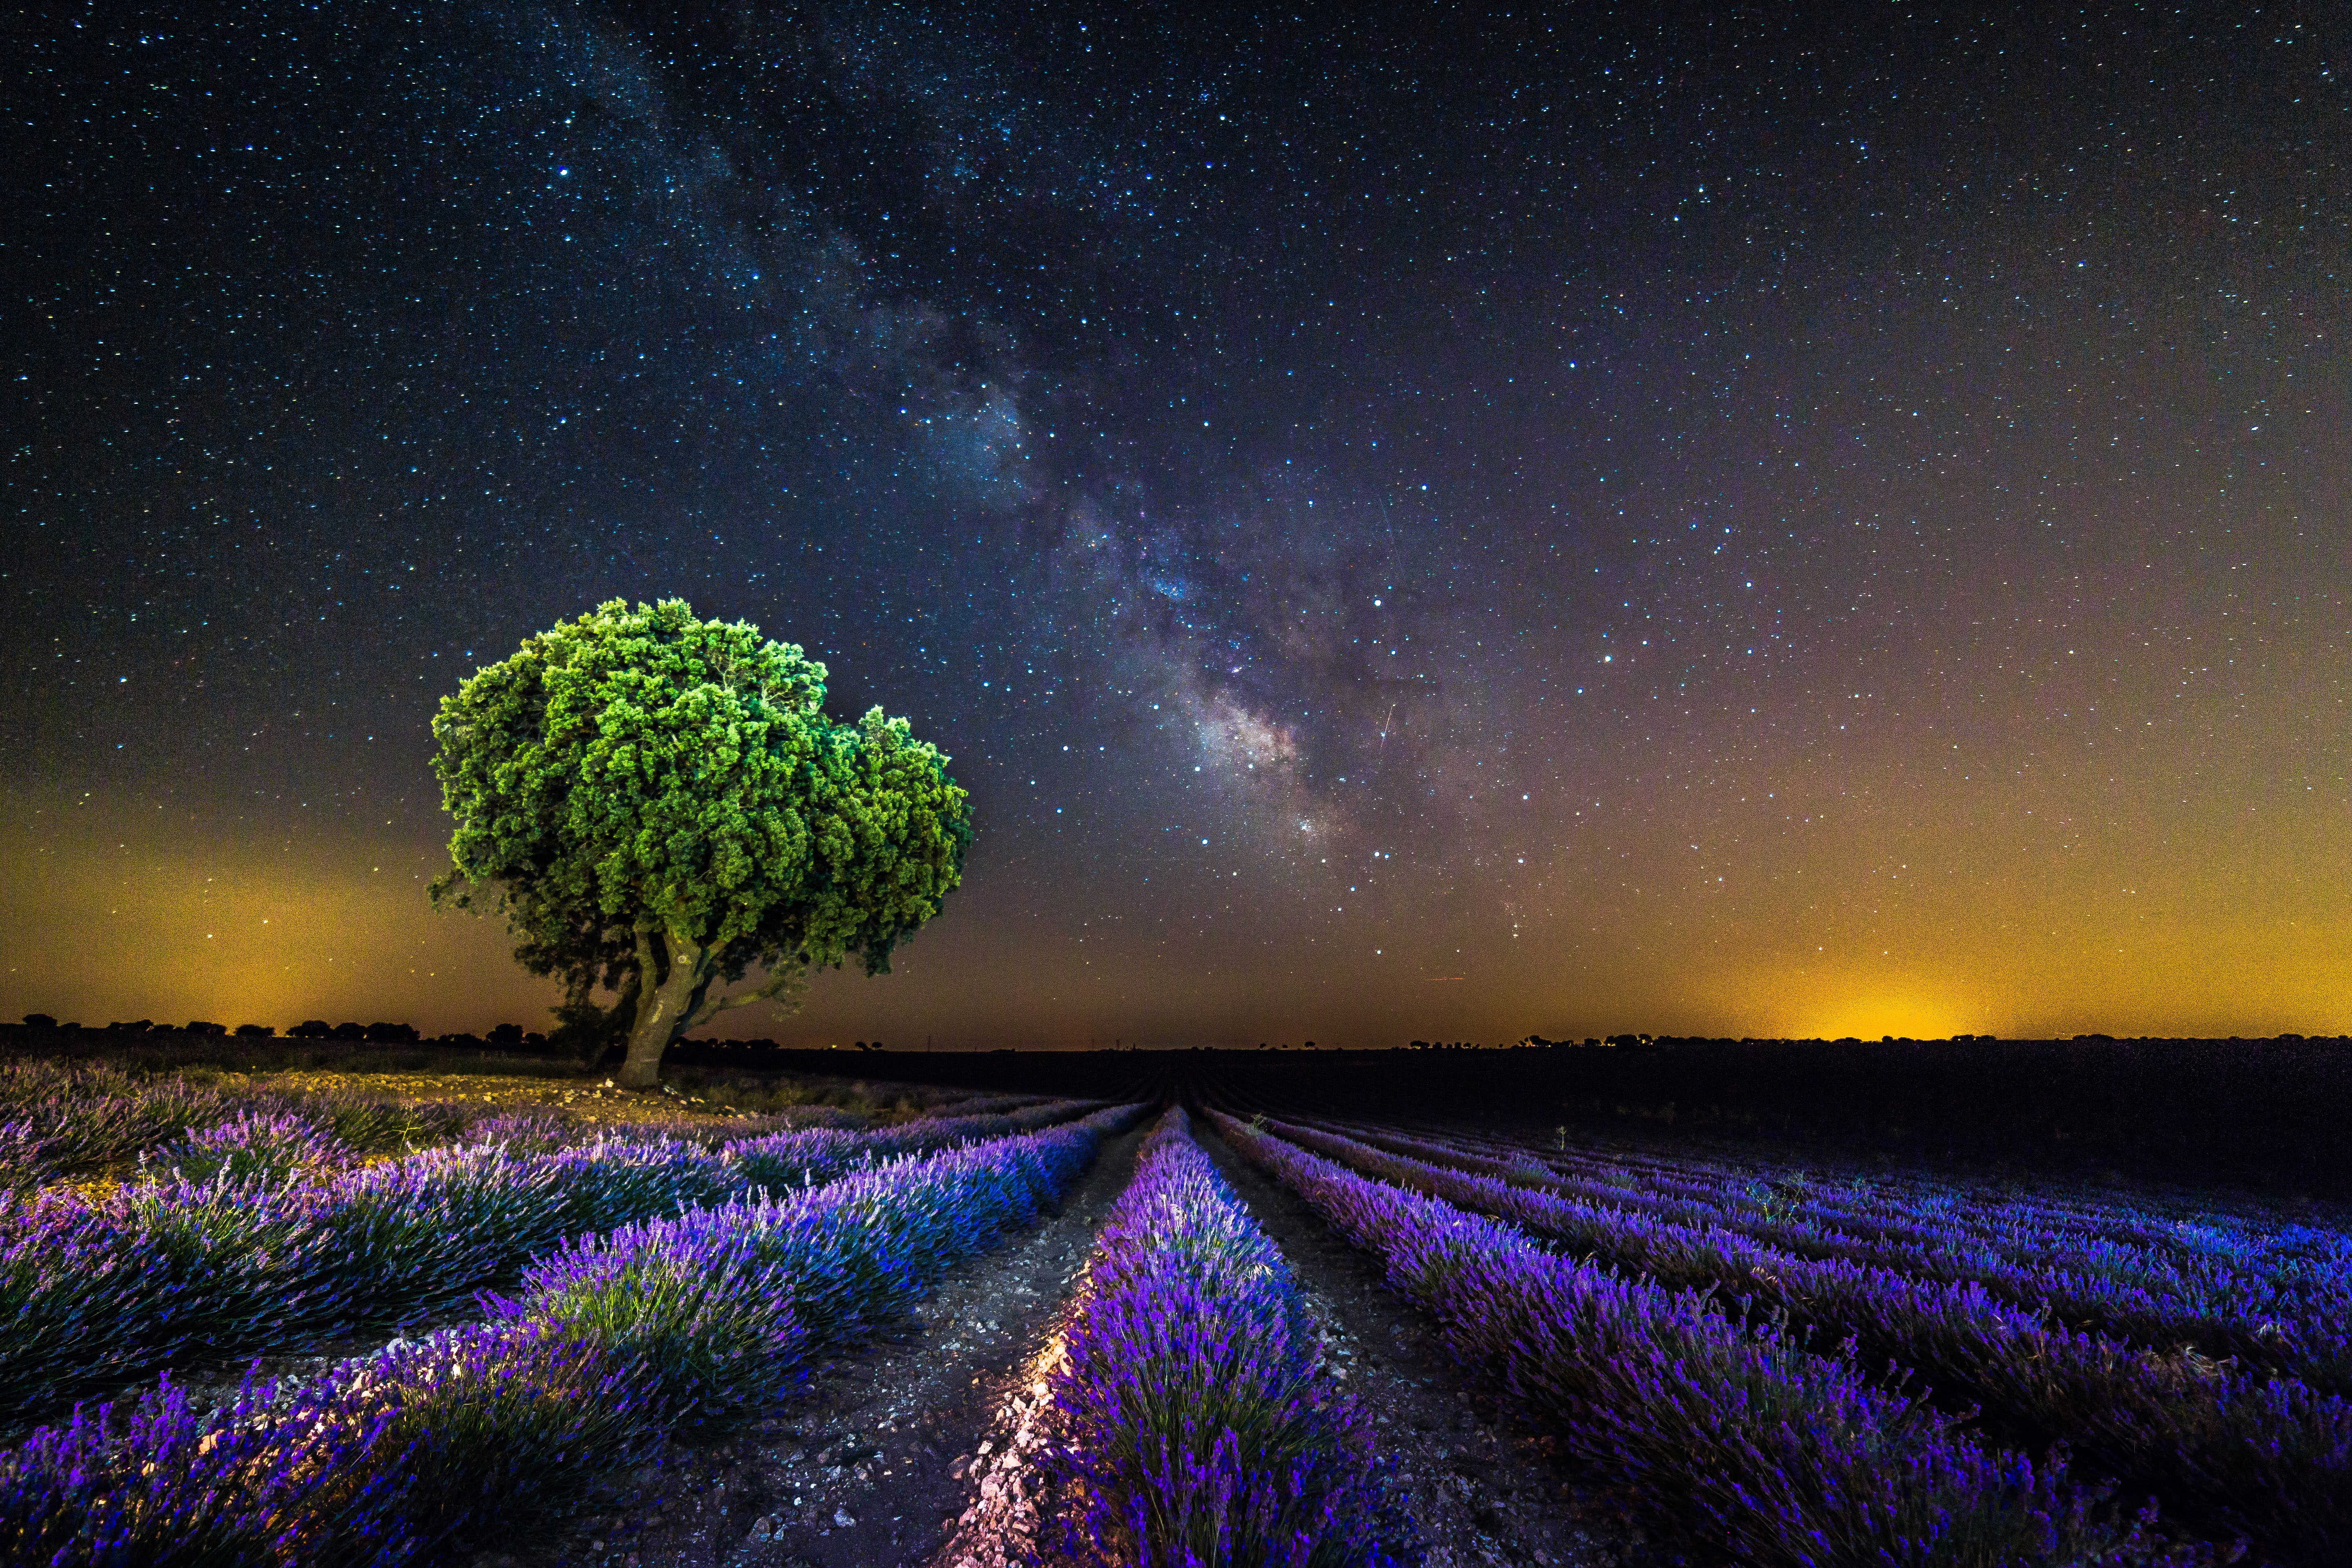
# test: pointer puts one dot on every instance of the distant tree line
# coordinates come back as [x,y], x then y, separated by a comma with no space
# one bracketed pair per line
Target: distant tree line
[509,1039]
[1526,1042]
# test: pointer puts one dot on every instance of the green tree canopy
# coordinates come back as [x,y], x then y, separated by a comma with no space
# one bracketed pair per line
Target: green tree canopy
[659,805]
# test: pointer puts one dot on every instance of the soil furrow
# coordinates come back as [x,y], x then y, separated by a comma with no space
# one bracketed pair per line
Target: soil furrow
[1483,1489]
[867,1466]
[1009,1522]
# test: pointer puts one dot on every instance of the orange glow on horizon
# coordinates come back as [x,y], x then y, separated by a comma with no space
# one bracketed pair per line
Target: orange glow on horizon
[174,925]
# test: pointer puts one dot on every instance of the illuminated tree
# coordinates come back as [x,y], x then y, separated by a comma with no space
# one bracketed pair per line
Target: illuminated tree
[658,805]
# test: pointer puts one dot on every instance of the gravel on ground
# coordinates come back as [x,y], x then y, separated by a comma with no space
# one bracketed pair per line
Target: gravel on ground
[877,1460]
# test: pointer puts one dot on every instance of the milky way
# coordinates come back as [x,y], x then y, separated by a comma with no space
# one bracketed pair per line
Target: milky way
[1410,524]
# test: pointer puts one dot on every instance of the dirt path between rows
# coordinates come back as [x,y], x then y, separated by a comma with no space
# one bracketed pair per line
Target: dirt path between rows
[1483,1489]
[867,1467]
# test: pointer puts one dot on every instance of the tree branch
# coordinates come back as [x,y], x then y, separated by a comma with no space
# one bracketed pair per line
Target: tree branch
[781,981]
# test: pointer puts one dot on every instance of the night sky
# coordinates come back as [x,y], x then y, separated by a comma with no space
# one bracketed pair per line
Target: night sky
[1413,521]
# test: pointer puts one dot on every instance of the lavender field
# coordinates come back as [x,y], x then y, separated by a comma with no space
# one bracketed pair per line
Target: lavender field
[267,1321]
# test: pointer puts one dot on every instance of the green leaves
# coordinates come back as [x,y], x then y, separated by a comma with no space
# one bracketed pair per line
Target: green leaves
[642,771]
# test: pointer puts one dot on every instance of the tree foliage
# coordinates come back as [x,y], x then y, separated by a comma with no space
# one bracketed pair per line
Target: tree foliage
[660,806]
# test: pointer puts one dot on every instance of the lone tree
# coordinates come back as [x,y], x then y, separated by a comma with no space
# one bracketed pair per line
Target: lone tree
[658,805]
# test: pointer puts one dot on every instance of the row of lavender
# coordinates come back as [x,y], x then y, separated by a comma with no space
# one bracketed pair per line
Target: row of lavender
[2294,1317]
[103,1289]
[58,1121]
[2169,1237]
[298,1144]
[61,1121]
[1191,1419]
[609,1345]
[1731,1435]
[2231,1451]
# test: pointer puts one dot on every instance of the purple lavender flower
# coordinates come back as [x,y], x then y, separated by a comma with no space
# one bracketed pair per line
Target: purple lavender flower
[102,1290]
[87,1117]
[252,1144]
[523,1131]
[1730,1436]
[2232,1451]
[1189,1404]
[370,1464]
[28,1156]
[2279,1297]
[385,1457]
[706,1321]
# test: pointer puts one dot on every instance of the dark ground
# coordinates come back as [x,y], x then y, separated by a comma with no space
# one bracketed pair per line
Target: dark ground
[2272,1115]
[2269,1114]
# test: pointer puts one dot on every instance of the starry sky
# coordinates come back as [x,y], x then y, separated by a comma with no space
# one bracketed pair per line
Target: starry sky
[1412,520]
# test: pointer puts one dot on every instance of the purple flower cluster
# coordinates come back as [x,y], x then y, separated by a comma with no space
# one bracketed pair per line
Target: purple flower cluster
[1190,1409]
[525,1131]
[57,1121]
[1729,1434]
[937,1131]
[27,1155]
[780,1160]
[102,1291]
[607,1348]
[372,1464]
[2002,1216]
[253,1144]
[715,1303]
[2231,1451]
[2277,1296]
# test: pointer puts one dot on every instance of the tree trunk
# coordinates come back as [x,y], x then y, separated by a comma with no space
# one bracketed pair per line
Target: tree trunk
[665,1010]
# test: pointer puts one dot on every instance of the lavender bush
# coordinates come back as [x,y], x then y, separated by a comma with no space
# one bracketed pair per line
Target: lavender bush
[2187,1223]
[371,1124]
[77,1119]
[1188,1406]
[2280,1298]
[525,1131]
[100,1291]
[27,1155]
[2113,1247]
[251,1144]
[1731,1436]
[385,1457]
[370,1465]
[2231,1451]
[715,1305]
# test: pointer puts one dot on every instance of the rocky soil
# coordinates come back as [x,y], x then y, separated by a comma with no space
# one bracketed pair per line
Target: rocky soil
[879,1457]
